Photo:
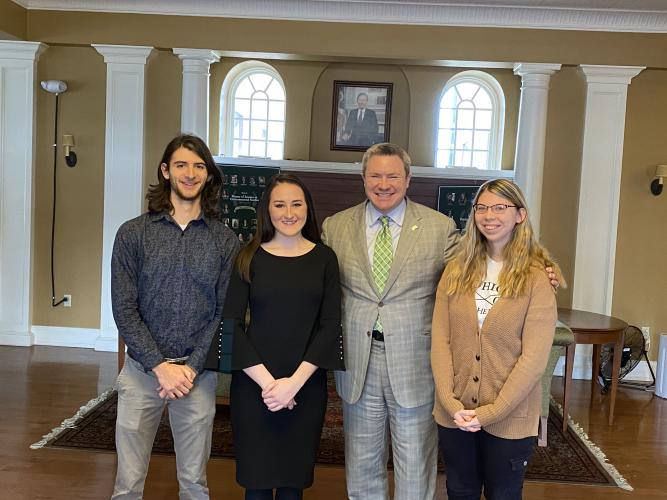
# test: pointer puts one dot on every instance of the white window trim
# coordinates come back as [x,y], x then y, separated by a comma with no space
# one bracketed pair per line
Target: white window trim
[229,86]
[491,85]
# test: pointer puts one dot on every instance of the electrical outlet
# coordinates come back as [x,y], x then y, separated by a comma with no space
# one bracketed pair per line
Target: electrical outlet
[68,301]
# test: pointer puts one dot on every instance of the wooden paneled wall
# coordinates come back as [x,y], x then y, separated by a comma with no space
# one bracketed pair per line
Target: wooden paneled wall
[335,192]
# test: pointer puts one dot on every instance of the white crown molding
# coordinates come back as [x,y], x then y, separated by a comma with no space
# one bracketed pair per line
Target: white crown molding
[649,16]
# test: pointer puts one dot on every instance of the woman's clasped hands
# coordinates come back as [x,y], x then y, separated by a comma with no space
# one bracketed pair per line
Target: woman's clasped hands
[280,394]
[466,420]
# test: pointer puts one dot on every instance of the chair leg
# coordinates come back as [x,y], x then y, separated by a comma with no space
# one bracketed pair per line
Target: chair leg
[542,435]
[567,382]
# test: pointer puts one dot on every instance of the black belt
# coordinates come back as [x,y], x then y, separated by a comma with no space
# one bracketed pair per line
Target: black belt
[378,335]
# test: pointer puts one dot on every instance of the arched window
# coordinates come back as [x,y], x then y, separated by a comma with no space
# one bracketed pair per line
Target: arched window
[253,111]
[471,115]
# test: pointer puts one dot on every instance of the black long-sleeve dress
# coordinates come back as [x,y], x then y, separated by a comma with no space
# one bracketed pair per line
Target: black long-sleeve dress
[295,313]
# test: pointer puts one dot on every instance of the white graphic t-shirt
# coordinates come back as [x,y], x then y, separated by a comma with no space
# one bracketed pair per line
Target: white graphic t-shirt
[487,293]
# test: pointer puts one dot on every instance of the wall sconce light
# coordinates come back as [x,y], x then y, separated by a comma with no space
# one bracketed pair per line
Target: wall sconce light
[68,144]
[658,180]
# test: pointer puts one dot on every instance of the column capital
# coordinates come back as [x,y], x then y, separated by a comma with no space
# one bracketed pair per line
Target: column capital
[618,75]
[124,54]
[204,55]
[523,69]
[23,51]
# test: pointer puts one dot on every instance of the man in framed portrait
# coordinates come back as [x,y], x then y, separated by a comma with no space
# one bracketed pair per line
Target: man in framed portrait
[361,125]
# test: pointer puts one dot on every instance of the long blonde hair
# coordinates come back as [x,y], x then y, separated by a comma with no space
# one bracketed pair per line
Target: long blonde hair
[467,268]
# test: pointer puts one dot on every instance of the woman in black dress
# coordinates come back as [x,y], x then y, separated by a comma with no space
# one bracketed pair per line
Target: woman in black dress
[290,282]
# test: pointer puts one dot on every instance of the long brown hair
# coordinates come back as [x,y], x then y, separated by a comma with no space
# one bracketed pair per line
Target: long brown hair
[468,267]
[265,230]
[158,195]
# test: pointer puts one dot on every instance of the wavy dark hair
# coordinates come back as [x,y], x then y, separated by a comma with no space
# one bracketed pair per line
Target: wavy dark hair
[158,195]
[265,230]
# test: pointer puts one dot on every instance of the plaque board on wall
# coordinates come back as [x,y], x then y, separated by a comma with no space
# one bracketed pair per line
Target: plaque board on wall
[456,202]
[242,188]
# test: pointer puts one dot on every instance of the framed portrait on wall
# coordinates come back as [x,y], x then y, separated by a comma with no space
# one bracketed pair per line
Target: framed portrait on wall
[361,114]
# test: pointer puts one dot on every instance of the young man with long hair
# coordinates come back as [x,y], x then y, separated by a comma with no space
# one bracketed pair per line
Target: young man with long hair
[169,274]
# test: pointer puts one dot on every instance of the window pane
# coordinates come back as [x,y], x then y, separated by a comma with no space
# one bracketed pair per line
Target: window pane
[462,158]
[257,148]
[260,80]
[482,99]
[447,118]
[276,131]
[450,99]
[481,140]
[241,148]
[467,90]
[275,150]
[244,89]
[275,91]
[258,129]
[483,120]
[241,129]
[464,118]
[258,116]
[444,158]
[480,160]
[242,108]
[276,110]
[260,106]
[464,139]
[445,138]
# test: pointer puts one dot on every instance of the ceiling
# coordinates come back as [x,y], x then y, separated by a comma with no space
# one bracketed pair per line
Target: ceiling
[649,16]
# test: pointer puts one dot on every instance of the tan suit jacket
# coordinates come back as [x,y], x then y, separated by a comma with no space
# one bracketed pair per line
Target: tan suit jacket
[405,306]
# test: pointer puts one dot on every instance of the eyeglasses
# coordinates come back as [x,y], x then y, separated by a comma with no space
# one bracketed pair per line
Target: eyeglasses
[499,208]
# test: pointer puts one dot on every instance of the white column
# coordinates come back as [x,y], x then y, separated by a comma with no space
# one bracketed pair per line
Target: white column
[531,135]
[123,161]
[195,93]
[601,163]
[18,61]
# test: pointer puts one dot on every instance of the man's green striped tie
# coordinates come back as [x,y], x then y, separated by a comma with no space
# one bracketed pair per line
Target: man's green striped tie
[382,258]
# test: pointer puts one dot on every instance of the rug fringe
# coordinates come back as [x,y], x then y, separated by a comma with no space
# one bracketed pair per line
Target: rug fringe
[620,481]
[71,422]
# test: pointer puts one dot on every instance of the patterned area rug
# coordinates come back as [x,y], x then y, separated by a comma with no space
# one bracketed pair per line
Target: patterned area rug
[569,458]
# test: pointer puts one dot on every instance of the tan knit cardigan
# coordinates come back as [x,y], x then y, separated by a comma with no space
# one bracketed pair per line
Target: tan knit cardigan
[497,370]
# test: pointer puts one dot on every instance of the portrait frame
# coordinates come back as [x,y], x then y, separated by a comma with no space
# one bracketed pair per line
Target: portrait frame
[352,131]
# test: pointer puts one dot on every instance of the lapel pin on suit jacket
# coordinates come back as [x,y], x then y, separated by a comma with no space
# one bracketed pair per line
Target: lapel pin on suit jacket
[414,227]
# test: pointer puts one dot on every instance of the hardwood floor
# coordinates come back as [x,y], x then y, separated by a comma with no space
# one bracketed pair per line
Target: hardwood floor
[41,386]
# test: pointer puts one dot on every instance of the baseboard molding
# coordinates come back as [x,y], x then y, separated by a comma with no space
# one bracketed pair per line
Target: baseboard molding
[20,339]
[60,336]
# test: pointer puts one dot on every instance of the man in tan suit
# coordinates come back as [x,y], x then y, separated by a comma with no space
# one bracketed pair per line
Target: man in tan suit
[391,253]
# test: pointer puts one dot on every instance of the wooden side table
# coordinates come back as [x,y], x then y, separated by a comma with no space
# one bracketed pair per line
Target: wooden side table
[596,329]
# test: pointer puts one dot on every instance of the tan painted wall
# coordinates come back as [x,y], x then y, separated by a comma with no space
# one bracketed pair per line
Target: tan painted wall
[640,277]
[13,19]
[351,39]
[426,84]
[78,248]
[639,281]
[164,75]
[299,78]
[320,132]
[562,171]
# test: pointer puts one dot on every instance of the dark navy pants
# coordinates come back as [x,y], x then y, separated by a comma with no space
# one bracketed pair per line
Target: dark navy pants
[479,460]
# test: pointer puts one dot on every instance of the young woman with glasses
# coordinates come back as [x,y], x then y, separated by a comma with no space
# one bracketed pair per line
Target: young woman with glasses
[493,326]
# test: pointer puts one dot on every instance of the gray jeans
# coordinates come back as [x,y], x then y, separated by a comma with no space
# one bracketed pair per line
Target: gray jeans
[139,411]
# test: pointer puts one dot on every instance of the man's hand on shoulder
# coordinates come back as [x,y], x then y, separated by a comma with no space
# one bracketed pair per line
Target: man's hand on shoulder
[552,277]
[175,380]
